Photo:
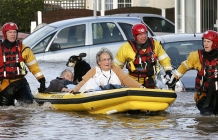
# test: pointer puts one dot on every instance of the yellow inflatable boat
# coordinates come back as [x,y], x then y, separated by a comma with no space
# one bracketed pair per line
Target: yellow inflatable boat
[110,101]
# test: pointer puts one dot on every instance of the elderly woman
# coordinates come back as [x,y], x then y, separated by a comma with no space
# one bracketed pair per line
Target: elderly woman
[105,73]
[62,83]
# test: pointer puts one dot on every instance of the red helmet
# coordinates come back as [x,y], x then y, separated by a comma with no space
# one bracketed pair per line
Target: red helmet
[213,36]
[138,28]
[8,26]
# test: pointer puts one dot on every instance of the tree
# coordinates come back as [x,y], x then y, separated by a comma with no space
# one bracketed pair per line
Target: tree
[21,12]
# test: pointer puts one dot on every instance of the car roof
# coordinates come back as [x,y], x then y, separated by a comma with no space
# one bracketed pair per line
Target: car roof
[124,19]
[140,15]
[178,37]
[90,19]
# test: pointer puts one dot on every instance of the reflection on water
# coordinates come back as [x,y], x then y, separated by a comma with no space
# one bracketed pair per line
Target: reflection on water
[206,125]
[45,123]
[180,121]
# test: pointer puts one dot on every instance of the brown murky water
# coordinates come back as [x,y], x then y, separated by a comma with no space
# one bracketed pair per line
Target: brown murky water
[180,121]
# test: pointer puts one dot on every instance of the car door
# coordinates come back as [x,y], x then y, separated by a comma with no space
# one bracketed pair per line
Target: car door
[108,34]
[68,41]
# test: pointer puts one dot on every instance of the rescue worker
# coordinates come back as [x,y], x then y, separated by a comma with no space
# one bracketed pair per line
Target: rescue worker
[205,61]
[14,56]
[141,56]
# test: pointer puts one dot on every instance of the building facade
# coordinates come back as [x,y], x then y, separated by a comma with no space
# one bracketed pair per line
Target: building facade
[64,4]
[191,16]
[114,4]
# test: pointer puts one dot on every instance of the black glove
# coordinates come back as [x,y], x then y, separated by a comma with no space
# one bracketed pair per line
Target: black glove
[42,84]
[168,75]
[171,80]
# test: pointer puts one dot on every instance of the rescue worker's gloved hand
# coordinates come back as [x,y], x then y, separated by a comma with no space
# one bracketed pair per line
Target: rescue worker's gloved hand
[168,75]
[172,84]
[42,84]
[171,80]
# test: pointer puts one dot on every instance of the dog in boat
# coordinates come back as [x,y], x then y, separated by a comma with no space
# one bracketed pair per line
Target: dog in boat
[80,66]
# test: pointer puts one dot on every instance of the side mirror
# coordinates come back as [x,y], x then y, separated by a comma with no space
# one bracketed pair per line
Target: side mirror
[55,47]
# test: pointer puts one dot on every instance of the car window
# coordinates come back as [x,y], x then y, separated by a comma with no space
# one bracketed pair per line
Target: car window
[105,32]
[41,46]
[71,37]
[37,35]
[150,32]
[127,29]
[179,51]
[159,25]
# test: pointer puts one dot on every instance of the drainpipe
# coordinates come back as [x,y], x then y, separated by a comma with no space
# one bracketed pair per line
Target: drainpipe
[198,17]
[94,8]
[216,24]
[183,19]
[102,7]
[176,16]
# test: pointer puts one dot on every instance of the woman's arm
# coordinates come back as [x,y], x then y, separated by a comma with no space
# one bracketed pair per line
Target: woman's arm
[124,78]
[85,78]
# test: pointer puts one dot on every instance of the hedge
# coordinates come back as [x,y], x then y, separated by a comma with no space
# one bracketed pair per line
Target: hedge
[21,12]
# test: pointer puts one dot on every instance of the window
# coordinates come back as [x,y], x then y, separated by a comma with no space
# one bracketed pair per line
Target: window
[71,37]
[190,16]
[124,3]
[105,32]
[108,4]
[179,51]
[159,24]
[127,28]
[58,4]
[41,46]
[209,15]
[38,35]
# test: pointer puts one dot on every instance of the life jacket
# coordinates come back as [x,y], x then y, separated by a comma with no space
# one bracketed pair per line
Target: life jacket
[208,75]
[12,64]
[144,61]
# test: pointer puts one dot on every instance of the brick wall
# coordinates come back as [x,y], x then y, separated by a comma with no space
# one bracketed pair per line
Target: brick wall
[61,14]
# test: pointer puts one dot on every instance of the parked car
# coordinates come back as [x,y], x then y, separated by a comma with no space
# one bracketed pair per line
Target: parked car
[178,47]
[60,40]
[158,24]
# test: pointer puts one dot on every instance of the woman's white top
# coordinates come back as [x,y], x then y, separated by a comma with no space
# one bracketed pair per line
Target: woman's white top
[103,78]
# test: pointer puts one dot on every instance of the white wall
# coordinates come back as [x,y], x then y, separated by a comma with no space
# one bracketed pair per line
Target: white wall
[160,4]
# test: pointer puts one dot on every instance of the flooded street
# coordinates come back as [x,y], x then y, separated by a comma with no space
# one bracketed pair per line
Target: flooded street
[180,121]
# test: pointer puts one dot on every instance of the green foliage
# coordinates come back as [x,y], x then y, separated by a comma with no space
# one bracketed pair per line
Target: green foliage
[21,12]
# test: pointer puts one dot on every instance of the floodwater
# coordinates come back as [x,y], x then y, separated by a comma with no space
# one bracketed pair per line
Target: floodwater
[180,121]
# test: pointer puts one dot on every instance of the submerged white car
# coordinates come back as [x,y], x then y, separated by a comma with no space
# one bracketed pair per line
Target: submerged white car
[60,40]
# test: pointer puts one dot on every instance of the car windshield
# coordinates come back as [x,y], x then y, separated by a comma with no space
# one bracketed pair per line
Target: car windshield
[37,35]
[179,51]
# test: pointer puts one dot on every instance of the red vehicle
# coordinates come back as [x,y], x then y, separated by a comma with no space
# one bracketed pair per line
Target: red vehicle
[21,36]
